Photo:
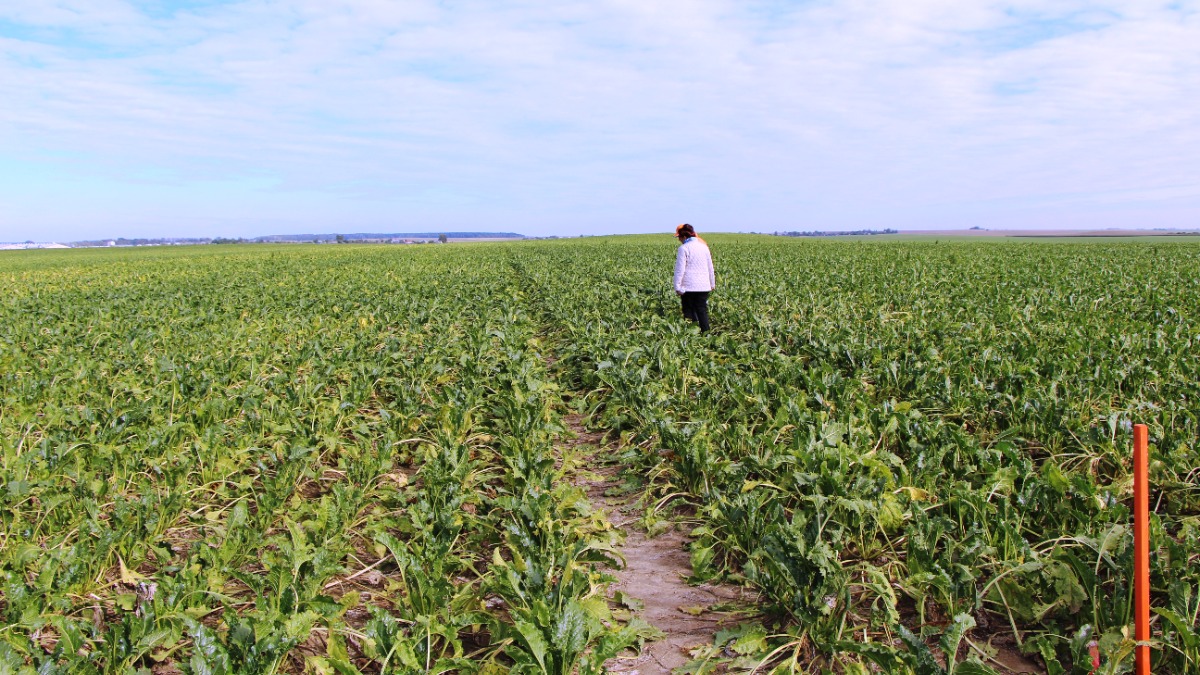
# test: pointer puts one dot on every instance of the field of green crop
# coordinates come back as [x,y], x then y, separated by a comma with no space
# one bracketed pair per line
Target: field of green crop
[351,459]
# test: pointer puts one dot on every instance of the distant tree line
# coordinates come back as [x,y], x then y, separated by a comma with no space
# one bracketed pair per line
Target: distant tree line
[376,237]
[140,241]
[839,233]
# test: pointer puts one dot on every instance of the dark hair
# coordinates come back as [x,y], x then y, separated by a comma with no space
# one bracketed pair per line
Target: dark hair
[685,230]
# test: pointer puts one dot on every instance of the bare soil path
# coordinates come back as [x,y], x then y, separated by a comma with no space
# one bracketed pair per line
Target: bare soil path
[655,573]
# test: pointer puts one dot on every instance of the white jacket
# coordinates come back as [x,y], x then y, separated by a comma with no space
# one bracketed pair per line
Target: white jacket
[694,267]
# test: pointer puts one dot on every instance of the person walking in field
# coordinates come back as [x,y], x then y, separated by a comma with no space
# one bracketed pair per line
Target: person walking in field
[694,275]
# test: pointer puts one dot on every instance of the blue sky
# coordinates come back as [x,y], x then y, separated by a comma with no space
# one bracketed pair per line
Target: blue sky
[250,117]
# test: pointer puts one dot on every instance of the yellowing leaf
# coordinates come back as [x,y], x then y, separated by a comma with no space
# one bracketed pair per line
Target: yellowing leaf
[917,494]
[128,576]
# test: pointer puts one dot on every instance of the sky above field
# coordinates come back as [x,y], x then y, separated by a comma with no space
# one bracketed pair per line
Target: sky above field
[141,118]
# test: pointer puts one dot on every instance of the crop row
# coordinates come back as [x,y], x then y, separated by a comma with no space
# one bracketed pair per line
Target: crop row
[257,460]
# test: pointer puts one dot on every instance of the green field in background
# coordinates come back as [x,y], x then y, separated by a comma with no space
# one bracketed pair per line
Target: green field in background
[348,458]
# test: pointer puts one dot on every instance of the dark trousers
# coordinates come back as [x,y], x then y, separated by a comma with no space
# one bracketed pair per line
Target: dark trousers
[695,307]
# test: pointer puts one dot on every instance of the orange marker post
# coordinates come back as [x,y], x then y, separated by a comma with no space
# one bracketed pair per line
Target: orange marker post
[1141,548]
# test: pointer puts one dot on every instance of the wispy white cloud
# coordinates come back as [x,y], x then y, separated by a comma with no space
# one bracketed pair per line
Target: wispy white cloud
[596,116]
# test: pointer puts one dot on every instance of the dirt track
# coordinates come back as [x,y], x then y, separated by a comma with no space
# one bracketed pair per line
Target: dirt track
[655,575]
